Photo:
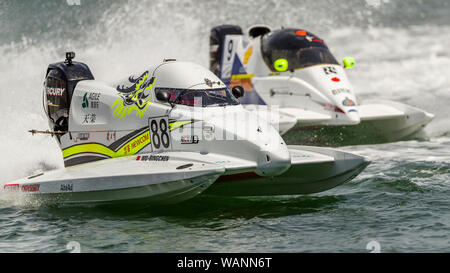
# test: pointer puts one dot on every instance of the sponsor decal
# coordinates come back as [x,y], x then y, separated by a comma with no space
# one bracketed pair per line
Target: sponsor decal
[89,118]
[189,139]
[152,158]
[348,102]
[11,187]
[310,38]
[340,91]
[137,144]
[126,145]
[134,98]
[91,100]
[31,188]
[248,54]
[66,187]
[213,48]
[83,136]
[329,70]
[52,91]
[332,108]
[335,79]
[85,103]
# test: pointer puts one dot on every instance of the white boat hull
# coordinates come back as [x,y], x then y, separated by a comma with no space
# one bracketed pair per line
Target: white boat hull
[316,101]
[313,170]
[381,122]
[119,180]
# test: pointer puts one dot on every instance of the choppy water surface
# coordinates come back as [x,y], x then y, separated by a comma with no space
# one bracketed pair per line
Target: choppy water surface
[401,200]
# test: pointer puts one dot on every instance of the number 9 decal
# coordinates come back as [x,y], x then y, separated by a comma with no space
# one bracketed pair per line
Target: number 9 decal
[160,133]
[230,50]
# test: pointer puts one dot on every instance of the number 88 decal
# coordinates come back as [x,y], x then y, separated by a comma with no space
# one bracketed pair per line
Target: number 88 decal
[160,133]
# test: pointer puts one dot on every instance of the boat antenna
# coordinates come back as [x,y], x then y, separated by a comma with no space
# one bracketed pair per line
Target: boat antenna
[69,57]
[47,132]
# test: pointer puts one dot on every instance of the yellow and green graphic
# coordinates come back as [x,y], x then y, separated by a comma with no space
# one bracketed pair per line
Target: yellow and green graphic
[248,54]
[130,147]
[176,124]
[134,98]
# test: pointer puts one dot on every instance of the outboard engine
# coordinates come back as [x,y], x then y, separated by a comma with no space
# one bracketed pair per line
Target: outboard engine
[216,45]
[60,81]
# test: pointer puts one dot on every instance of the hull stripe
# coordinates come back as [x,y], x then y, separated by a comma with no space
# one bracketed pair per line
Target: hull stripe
[127,145]
[131,147]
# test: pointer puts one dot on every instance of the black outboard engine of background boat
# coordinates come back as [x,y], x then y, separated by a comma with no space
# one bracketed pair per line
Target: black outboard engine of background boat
[216,38]
[60,81]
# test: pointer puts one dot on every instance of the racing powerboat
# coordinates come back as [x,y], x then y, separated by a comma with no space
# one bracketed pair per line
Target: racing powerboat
[293,70]
[165,135]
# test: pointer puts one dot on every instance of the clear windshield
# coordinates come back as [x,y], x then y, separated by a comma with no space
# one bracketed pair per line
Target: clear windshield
[201,98]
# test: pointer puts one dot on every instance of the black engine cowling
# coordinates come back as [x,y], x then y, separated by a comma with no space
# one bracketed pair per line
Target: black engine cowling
[60,81]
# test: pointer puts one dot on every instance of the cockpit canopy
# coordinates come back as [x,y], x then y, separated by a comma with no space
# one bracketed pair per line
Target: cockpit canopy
[200,97]
[299,48]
